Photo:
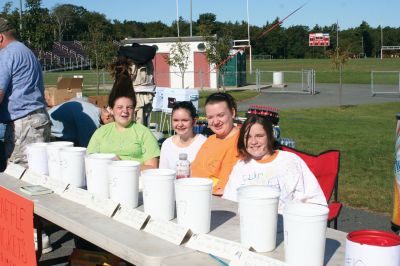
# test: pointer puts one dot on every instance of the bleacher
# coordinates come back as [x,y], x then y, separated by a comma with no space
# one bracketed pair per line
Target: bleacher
[65,55]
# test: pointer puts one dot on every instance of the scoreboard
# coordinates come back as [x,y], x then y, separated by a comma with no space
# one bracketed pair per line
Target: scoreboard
[319,39]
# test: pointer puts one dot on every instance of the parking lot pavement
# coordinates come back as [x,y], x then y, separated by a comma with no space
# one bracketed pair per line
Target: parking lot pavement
[328,95]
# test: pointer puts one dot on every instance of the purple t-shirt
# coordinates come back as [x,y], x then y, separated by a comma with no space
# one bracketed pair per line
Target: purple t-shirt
[21,81]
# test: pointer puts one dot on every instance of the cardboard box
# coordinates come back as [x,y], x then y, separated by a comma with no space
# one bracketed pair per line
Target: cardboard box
[99,100]
[80,257]
[66,89]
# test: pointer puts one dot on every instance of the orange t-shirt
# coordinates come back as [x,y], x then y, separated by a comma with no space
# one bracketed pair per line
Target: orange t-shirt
[215,160]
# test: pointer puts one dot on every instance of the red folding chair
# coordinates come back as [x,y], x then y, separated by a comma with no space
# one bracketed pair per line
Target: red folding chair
[325,167]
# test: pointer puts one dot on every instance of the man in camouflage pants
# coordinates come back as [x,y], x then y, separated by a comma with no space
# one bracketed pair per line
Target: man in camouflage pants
[22,103]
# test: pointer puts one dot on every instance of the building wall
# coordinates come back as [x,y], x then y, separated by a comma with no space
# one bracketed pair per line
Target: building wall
[174,78]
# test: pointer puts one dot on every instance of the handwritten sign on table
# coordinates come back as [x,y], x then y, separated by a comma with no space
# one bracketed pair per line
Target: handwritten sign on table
[33,178]
[16,227]
[218,246]
[131,217]
[77,195]
[167,230]
[15,170]
[54,184]
[102,205]
[248,258]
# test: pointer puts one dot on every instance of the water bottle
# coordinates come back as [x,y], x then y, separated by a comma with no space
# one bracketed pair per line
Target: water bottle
[182,166]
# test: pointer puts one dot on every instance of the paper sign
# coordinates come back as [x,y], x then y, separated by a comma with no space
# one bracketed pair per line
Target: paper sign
[248,258]
[131,217]
[33,178]
[54,184]
[217,246]
[102,205]
[166,230]
[77,195]
[16,230]
[15,170]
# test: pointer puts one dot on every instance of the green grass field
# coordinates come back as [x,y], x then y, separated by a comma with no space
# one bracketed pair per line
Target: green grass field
[355,71]
[365,135]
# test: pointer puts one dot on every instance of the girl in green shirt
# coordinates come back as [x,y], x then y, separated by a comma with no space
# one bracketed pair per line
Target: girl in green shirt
[125,138]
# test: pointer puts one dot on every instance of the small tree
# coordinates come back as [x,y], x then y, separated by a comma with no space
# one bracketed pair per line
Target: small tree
[338,58]
[217,51]
[179,57]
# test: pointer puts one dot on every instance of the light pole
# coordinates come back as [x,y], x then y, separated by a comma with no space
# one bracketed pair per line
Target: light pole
[340,63]
[191,29]
[177,17]
[248,35]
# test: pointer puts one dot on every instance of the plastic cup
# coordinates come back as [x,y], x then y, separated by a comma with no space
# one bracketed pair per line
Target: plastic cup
[258,209]
[304,233]
[53,157]
[123,178]
[158,193]
[73,166]
[97,173]
[193,203]
[372,247]
[37,157]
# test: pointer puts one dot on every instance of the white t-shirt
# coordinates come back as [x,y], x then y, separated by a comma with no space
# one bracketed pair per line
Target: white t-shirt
[170,151]
[284,170]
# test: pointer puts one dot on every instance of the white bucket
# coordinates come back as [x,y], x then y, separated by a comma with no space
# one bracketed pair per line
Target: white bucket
[372,247]
[304,233]
[277,78]
[193,203]
[258,209]
[123,178]
[53,157]
[73,166]
[97,173]
[158,193]
[37,157]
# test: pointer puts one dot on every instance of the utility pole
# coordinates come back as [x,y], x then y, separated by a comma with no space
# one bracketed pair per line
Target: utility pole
[337,39]
[362,45]
[381,41]
[20,16]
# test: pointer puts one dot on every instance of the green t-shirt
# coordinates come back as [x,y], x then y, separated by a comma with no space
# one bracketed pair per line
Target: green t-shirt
[136,142]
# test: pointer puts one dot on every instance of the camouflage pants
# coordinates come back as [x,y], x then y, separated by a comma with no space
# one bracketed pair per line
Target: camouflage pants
[35,127]
[143,108]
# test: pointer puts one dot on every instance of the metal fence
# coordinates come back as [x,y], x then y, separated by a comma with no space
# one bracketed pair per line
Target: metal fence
[293,81]
[385,82]
[286,81]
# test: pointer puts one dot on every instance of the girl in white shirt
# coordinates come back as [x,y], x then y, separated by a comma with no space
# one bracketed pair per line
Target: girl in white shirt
[185,140]
[260,164]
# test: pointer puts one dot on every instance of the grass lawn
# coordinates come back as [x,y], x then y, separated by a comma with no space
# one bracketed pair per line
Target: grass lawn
[355,71]
[365,135]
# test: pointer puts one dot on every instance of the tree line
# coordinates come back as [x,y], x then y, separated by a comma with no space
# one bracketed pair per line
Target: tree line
[40,27]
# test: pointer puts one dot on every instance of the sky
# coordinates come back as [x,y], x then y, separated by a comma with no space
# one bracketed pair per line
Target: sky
[348,13]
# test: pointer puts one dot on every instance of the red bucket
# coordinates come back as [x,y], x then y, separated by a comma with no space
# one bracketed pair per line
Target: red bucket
[372,247]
